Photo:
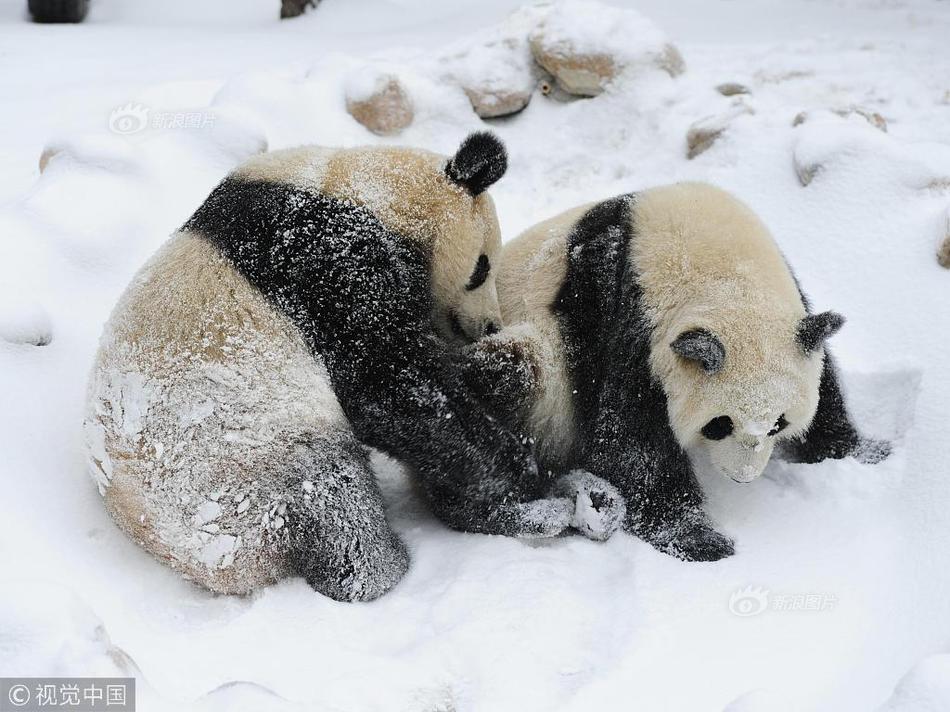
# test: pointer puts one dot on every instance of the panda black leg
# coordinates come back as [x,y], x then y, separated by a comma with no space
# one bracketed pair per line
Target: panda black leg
[481,509]
[639,455]
[832,435]
[664,508]
[339,538]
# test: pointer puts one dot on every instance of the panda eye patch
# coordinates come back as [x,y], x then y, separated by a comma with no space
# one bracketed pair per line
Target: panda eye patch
[718,428]
[779,426]
[480,274]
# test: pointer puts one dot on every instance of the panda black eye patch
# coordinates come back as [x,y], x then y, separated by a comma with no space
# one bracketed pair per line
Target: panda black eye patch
[779,426]
[480,274]
[718,428]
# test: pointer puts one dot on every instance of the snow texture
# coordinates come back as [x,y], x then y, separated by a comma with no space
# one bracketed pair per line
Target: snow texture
[479,622]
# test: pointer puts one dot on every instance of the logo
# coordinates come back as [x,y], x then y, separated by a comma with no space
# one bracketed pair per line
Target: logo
[749,601]
[128,119]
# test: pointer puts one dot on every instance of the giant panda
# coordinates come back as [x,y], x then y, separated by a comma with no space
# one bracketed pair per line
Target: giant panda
[302,315]
[657,323]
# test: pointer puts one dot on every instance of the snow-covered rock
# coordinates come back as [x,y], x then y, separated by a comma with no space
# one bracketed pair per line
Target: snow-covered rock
[24,321]
[495,67]
[943,252]
[378,100]
[732,89]
[872,117]
[926,688]
[703,133]
[586,45]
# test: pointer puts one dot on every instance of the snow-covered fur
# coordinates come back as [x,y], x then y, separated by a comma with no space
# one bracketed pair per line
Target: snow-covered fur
[298,317]
[664,321]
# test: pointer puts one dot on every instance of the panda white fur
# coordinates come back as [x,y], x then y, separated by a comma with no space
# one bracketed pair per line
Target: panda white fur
[655,323]
[296,318]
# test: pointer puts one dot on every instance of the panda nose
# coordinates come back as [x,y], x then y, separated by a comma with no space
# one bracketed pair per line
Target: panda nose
[490,328]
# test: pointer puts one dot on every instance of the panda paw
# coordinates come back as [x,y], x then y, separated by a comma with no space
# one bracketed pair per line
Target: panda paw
[696,540]
[598,507]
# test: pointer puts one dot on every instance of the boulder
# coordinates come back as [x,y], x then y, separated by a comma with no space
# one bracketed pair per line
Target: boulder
[732,89]
[378,101]
[586,45]
[872,117]
[943,253]
[703,133]
[495,67]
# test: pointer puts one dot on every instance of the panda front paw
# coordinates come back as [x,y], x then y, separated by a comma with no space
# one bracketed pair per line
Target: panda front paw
[690,539]
[598,507]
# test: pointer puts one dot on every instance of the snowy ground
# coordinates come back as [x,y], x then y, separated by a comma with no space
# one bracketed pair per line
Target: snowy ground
[487,623]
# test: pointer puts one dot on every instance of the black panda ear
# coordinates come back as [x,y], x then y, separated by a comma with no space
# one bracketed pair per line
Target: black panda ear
[815,328]
[480,161]
[702,346]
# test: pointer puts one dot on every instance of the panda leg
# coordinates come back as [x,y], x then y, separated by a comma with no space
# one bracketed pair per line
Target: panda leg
[339,538]
[832,434]
[478,509]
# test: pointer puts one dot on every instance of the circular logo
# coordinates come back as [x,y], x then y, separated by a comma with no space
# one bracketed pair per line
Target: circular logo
[749,601]
[19,695]
[128,119]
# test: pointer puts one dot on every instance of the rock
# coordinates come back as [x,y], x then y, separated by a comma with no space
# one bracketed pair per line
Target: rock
[49,152]
[872,117]
[378,101]
[24,321]
[586,45]
[732,89]
[943,254]
[495,67]
[295,8]
[703,133]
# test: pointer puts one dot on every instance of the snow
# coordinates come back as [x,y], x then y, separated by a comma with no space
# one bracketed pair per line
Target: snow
[488,623]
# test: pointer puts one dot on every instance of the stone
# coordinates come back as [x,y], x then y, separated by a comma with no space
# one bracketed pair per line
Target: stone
[494,67]
[732,89]
[586,45]
[703,133]
[378,101]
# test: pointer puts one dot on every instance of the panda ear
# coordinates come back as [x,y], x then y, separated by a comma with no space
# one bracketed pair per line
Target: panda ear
[702,346]
[815,328]
[479,162]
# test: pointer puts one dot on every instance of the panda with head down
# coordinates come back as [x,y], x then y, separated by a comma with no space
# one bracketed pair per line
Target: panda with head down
[657,323]
[301,315]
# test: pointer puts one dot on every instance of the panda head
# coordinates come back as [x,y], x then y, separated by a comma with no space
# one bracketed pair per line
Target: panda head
[740,389]
[466,253]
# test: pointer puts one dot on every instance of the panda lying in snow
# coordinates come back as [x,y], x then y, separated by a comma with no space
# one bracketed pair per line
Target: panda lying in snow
[291,322]
[653,323]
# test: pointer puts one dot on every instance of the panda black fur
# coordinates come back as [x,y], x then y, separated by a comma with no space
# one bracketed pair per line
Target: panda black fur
[654,323]
[295,319]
